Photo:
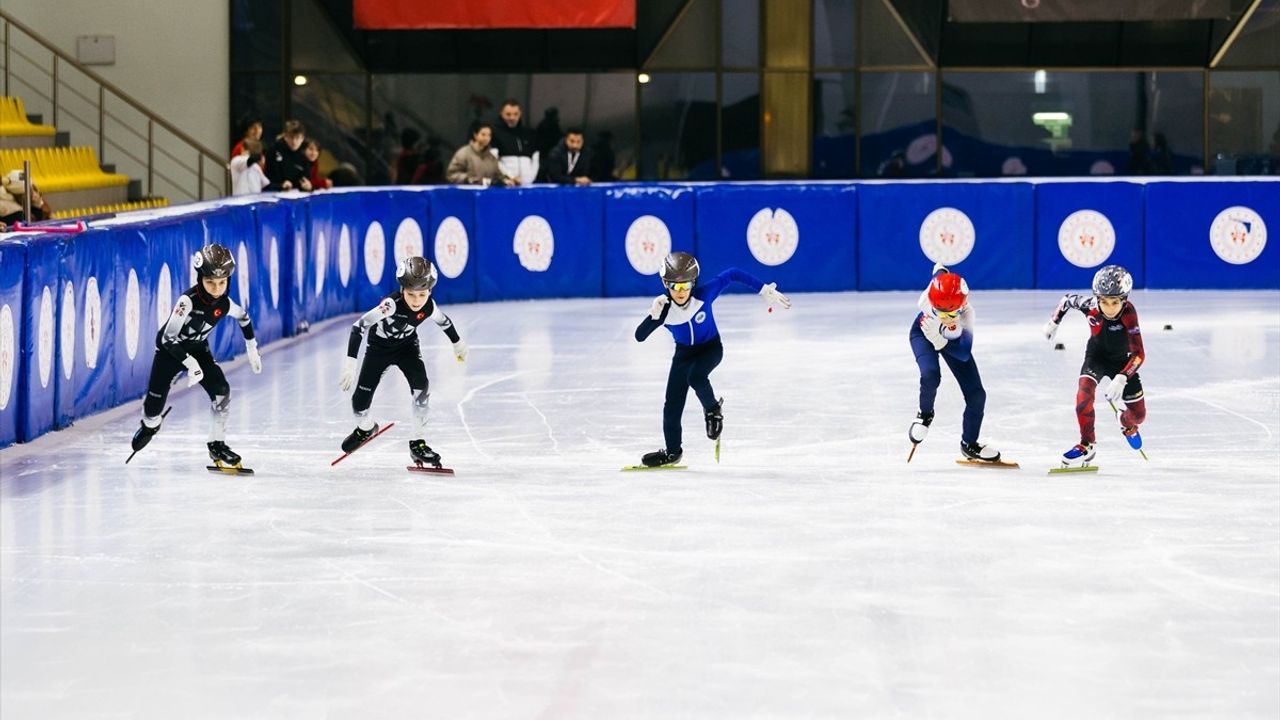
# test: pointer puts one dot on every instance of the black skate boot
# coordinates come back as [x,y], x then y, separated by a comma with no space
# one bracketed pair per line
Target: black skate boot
[222,455]
[715,420]
[357,438]
[422,454]
[143,436]
[981,453]
[658,458]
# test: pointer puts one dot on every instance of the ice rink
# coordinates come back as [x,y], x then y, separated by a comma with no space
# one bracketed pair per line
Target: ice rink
[812,573]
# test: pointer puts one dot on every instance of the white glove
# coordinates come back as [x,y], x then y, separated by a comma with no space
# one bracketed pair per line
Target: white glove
[348,379]
[255,360]
[1115,391]
[460,350]
[1050,329]
[932,330]
[194,373]
[655,310]
[772,297]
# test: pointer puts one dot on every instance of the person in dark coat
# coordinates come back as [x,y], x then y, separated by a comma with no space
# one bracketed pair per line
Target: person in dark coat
[568,163]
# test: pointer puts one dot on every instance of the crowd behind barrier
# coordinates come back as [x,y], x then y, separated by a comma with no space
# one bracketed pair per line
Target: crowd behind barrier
[79,312]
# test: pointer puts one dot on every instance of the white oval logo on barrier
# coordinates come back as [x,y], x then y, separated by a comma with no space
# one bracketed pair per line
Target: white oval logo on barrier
[1238,235]
[92,323]
[534,243]
[375,252]
[242,277]
[1086,238]
[772,236]
[273,270]
[8,348]
[344,256]
[45,348]
[132,314]
[947,236]
[648,243]
[452,247]
[322,261]
[408,240]
[164,296]
[67,329]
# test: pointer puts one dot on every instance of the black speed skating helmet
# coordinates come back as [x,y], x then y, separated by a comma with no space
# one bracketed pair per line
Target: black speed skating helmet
[1112,281]
[416,273]
[679,267]
[213,261]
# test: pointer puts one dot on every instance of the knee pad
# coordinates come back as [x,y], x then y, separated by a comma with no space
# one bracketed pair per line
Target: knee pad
[221,400]
[421,398]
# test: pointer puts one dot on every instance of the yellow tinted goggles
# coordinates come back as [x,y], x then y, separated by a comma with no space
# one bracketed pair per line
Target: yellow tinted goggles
[679,286]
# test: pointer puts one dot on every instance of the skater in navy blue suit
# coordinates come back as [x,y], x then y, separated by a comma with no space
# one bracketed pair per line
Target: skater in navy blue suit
[685,310]
[943,329]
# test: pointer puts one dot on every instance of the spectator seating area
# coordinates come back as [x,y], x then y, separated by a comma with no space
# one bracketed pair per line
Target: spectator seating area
[70,178]
[112,209]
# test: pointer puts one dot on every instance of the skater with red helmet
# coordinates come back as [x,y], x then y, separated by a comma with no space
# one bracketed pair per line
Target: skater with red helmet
[944,329]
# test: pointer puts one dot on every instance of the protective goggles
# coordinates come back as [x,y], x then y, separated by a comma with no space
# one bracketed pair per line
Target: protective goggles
[679,285]
[947,314]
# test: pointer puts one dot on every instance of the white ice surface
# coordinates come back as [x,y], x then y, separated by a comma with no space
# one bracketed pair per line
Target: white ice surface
[812,573]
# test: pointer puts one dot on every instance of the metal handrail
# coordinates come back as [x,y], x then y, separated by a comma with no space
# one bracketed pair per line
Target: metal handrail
[152,120]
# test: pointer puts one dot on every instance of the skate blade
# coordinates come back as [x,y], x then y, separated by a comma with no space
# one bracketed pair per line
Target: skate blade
[221,468]
[1060,470]
[987,463]
[430,469]
[630,468]
[368,440]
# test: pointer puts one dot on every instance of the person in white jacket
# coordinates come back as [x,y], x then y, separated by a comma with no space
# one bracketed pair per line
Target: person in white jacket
[248,171]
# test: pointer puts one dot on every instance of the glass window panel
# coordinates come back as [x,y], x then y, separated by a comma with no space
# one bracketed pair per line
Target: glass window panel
[255,35]
[740,33]
[1257,44]
[331,108]
[315,45]
[1072,123]
[884,42]
[1244,123]
[691,43]
[834,100]
[833,33]
[610,125]
[678,126]
[255,96]
[740,126]
[899,133]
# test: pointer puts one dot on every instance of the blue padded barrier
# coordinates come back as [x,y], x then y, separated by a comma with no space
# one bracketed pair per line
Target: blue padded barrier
[641,225]
[39,376]
[233,228]
[405,220]
[134,319]
[332,255]
[540,243]
[1082,226]
[13,263]
[276,249]
[800,235]
[1213,235]
[86,343]
[301,267]
[981,230]
[452,245]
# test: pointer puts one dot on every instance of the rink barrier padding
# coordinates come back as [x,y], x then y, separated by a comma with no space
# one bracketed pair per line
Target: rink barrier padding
[1207,235]
[86,303]
[984,231]
[1083,226]
[13,264]
[39,372]
[641,225]
[540,243]
[451,243]
[307,258]
[799,235]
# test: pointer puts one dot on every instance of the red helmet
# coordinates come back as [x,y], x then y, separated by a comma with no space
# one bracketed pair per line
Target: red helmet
[948,292]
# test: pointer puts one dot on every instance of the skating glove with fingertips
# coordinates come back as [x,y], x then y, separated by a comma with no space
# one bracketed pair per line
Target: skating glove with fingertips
[460,350]
[932,330]
[772,297]
[348,379]
[1115,391]
[1050,329]
[194,373]
[655,310]
[255,360]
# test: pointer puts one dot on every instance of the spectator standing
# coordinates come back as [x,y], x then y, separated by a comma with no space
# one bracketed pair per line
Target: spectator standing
[568,163]
[311,151]
[1139,154]
[431,170]
[474,164]
[407,160]
[287,166]
[1161,156]
[603,159]
[12,189]
[252,131]
[248,169]
[514,140]
[548,132]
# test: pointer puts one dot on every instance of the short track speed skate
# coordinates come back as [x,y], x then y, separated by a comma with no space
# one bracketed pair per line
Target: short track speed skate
[358,439]
[425,459]
[225,461]
[659,460]
[976,455]
[1078,459]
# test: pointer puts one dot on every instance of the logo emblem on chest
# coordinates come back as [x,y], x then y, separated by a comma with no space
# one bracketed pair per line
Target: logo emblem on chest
[702,315]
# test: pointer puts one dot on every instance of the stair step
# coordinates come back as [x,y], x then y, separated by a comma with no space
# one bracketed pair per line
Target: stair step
[62,139]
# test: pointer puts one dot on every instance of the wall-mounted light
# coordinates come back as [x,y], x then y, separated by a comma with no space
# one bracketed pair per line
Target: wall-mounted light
[299,80]
[1041,77]
[643,78]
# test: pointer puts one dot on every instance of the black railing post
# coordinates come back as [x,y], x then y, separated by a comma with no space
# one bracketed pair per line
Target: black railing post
[102,124]
[55,91]
[199,176]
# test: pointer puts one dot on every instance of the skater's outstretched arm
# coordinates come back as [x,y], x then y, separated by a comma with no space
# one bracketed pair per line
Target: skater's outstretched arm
[1070,301]
[439,318]
[171,336]
[1137,354]
[383,311]
[246,328]
[711,289]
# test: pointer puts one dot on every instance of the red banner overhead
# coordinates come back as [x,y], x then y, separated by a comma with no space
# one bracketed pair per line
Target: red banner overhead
[478,14]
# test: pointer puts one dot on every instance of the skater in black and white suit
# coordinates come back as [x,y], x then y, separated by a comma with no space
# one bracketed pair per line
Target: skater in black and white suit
[183,344]
[393,340]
